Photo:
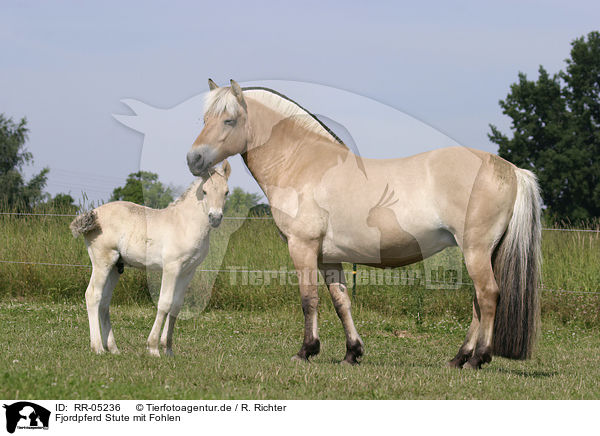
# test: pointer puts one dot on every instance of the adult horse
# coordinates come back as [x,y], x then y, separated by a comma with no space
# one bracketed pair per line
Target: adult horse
[333,206]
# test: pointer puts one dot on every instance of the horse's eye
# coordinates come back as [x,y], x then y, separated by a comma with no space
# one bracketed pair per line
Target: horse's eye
[230,123]
[227,193]
[204,192]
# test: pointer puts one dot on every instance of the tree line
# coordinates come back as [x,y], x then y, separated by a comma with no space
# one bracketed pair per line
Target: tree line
[141,187]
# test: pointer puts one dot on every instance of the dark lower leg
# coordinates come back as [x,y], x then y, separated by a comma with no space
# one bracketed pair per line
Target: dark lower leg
[311,344]
[466,350]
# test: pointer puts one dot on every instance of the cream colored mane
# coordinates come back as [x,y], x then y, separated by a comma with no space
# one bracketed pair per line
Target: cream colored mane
[196,184]
[222,100]
[192,188]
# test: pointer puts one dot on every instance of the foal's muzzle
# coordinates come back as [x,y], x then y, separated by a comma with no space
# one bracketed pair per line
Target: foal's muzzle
[215,218]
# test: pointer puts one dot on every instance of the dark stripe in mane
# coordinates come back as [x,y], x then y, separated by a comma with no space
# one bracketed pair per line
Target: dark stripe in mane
[260,88]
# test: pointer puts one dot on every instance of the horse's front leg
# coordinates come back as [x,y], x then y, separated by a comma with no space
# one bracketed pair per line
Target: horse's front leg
[166,339]
[165,300]
[333,274]
[304,255]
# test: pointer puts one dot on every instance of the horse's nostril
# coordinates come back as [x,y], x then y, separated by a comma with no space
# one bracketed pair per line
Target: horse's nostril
[194,161]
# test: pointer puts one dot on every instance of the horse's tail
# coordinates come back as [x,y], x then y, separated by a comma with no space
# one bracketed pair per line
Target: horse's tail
[517,265]
[85,223]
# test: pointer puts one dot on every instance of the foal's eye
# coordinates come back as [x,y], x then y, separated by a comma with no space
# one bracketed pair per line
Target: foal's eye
[230,123]
[227,193]
[204,192]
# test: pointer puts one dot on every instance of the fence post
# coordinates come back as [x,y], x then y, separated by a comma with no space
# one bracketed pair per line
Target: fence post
[353,280]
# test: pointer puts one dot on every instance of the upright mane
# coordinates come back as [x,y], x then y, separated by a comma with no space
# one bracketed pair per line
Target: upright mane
[196,184]
[192,188]
[222,100]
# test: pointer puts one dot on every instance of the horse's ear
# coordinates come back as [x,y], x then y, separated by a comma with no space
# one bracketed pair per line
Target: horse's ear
[237,91]
[226,169]
[212,85]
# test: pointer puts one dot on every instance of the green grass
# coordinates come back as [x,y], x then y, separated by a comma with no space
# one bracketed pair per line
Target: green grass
[241,329]
[246,354]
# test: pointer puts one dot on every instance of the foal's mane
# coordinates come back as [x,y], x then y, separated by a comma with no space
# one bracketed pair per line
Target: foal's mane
[196,184]
[191,188]
[222,99]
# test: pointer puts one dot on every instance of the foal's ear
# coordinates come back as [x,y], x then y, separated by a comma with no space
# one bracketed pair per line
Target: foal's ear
[212,85]
[237,91]
[226,169]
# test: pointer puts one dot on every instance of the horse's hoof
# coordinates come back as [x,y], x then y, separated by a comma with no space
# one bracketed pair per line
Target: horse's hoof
[472,365]
[154,352]
[98,350]
[298,359]
[169,352]
[349,362]
[454,364]
[114,350]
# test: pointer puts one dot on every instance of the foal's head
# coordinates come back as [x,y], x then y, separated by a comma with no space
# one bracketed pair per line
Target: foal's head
[225,131]
[215,191]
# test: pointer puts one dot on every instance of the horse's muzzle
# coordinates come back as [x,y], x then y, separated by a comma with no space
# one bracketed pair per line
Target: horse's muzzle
[196,162]
[215,219]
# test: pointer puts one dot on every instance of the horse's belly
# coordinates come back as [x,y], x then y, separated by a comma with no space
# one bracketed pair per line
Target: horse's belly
[141,254]
[388,248]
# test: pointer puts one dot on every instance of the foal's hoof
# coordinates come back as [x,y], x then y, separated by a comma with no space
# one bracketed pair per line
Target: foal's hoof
[169,352]
[349,362]
[154,352]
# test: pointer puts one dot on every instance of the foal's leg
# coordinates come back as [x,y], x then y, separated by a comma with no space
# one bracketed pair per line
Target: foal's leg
[108,338]
[166,339]
[333,274]
[167,290]
[479,265]
[101,270]
[93,294]
[304,255]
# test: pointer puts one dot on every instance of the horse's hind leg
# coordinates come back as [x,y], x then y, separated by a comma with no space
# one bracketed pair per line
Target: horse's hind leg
[108,338]
[93,294]
[479,265]
[101,270]
[466,350]
[333,274]
[166,339]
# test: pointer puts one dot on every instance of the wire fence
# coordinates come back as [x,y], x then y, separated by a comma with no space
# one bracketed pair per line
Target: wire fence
[257,218]
[235,270]
[248,271]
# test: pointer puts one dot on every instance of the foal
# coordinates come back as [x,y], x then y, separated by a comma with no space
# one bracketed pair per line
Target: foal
[174,239]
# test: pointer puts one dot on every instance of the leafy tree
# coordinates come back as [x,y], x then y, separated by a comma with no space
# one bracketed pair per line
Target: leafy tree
[556,131]
[63,203]
[14,191]
[240,202]
[144,188]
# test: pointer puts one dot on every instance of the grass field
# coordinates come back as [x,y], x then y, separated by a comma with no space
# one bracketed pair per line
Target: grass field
[246,354]
[240,345]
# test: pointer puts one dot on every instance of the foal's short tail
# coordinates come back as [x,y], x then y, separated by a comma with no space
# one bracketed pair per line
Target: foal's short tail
[517,265]
[84,223]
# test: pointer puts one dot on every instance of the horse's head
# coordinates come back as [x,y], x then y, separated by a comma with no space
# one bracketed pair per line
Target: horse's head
[214,191]
[225,131]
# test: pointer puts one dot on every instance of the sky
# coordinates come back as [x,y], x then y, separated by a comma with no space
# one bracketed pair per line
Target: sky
[67,66]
